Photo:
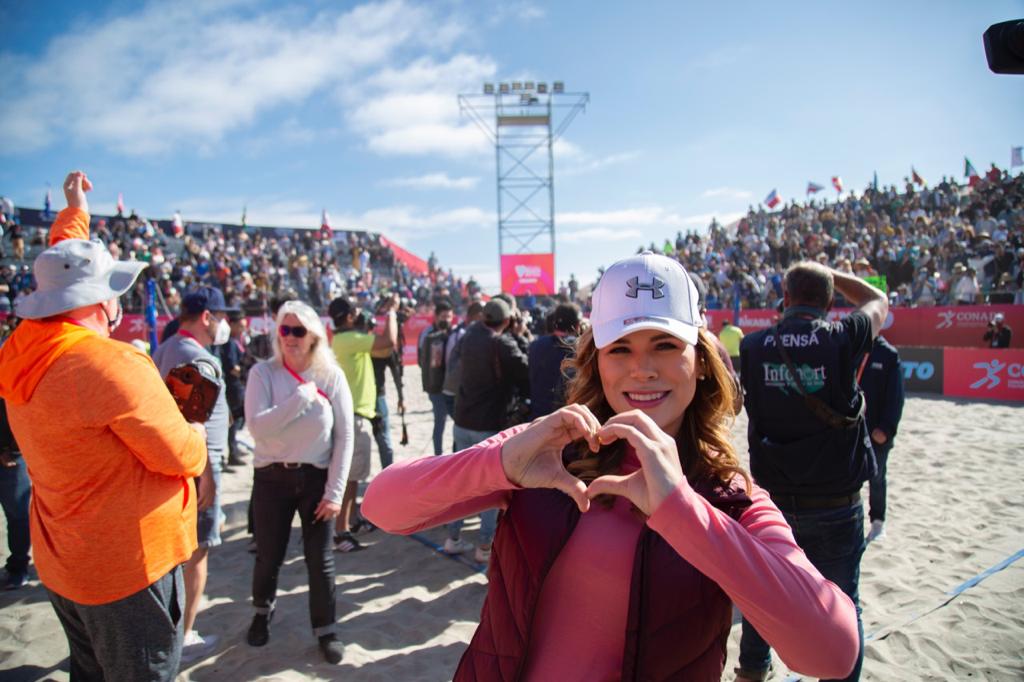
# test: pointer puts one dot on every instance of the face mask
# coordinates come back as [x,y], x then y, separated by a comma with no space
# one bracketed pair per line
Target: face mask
[223,333]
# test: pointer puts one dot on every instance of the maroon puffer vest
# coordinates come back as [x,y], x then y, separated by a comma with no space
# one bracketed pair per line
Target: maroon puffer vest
[678,621]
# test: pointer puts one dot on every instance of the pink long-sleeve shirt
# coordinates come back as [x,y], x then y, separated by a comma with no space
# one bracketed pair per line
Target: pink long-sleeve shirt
[584,601]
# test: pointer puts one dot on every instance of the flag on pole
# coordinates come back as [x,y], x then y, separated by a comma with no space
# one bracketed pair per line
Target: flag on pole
[972,175]
[874,182]
[243,215]
[772,200]
[1016,156]
[837,182]
[120,204]
[47,202]
[325,225]
[916,178]
[814,188]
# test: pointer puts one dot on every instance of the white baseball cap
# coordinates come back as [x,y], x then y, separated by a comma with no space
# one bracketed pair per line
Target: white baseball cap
[646,291]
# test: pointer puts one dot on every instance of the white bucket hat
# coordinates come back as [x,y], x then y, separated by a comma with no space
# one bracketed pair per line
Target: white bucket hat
[75,273]
[647,291]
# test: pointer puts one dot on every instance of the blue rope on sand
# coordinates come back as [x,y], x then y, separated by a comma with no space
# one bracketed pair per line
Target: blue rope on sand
[952,594]
[459,558]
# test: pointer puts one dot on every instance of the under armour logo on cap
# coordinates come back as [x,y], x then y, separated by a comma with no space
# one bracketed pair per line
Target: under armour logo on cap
[633,287]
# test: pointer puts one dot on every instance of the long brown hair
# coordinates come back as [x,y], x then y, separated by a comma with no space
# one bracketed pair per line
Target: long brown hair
[703,438]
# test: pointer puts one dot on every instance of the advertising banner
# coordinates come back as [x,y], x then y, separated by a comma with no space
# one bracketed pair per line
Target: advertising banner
[524,273]
[922,369]
[937,326]
[989,373]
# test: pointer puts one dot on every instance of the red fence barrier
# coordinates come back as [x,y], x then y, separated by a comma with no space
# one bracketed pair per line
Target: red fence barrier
[939,326]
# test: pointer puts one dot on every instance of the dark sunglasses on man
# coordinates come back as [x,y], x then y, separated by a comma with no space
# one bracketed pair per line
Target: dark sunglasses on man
[296,331]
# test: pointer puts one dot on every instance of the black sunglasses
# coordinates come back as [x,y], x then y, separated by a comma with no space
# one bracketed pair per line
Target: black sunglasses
[296,331]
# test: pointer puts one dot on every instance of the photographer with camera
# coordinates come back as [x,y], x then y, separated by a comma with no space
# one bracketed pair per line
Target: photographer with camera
[353,347]
[998,334]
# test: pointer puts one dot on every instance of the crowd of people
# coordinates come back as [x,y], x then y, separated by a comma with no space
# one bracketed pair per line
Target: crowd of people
[595,452]
[951,244]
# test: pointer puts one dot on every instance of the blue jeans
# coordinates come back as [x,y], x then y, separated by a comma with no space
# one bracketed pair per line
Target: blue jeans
[439,402]
[465,438]
[833,540]
[382,433]
[15,495]
[876,496]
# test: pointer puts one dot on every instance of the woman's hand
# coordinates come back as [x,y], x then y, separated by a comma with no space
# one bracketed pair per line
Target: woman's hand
[533,457]
[660,471]
[326,511]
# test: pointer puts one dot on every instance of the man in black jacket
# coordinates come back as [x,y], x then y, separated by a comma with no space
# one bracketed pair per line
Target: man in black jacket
[882,383]
[493,370]
[808,439]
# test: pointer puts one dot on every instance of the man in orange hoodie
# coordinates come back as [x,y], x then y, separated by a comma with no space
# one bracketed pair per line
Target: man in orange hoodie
[113,511]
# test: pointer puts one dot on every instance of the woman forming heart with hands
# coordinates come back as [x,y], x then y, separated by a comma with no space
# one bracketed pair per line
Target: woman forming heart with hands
[575,568]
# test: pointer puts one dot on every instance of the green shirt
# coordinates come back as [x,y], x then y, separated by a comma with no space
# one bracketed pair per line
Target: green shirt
[730,337]
[352,349]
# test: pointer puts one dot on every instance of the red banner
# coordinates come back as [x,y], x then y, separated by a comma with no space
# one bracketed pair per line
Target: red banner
[988,373]
[952,326]
[416,265]
[532,273]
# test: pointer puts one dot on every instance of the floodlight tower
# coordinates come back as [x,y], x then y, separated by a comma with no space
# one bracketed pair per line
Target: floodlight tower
[528,118]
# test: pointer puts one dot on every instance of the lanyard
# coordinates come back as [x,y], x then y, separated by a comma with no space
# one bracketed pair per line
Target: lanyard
[190,336]
[299,379]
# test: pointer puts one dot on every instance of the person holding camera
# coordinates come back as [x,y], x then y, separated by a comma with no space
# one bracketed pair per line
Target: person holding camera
[998,334]
[112,460]
[353,348]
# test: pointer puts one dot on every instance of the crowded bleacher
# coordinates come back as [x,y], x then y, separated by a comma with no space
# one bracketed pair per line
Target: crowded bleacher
[947,244]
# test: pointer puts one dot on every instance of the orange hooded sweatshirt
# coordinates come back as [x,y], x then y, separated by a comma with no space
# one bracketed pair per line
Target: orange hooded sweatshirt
[110,456]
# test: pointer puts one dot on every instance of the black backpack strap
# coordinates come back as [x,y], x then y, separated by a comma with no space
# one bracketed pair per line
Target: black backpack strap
[824,412]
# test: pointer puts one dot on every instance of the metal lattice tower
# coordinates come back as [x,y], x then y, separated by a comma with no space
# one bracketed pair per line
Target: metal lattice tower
[528,118]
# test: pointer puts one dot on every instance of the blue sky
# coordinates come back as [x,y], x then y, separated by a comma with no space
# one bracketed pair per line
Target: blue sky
[696,110]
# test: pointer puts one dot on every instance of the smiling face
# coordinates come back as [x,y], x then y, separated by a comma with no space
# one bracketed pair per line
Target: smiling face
[651,371]
[295,350]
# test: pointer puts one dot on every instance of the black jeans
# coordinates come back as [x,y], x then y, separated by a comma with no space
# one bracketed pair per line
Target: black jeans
[876,497]
[277,494]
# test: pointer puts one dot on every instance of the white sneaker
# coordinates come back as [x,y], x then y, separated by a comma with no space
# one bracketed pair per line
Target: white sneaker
[481,555]
[877,531]
[457,546]
[196,646]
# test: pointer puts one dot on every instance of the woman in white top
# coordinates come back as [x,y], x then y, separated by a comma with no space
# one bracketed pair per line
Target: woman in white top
[299,410]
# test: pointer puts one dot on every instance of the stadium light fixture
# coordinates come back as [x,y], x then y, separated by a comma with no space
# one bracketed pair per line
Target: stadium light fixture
[503,88]
[488,88]
[558,87]
[542,88]
[517,86]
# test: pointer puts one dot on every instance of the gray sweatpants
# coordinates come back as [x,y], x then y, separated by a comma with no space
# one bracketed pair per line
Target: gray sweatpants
[135,638]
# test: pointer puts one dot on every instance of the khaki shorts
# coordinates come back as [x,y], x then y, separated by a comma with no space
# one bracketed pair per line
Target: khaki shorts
[363,445]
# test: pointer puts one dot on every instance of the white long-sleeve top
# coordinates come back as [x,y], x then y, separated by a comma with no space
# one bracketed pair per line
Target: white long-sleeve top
[289,427]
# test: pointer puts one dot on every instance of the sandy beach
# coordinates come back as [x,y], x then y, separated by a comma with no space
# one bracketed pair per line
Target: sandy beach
[406,612]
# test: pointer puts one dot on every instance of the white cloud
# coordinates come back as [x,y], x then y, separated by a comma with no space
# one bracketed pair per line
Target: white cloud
[726,193]
[435,181]
[597,234]
[125,83]
[415,109]
[653,217]
[588,164]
